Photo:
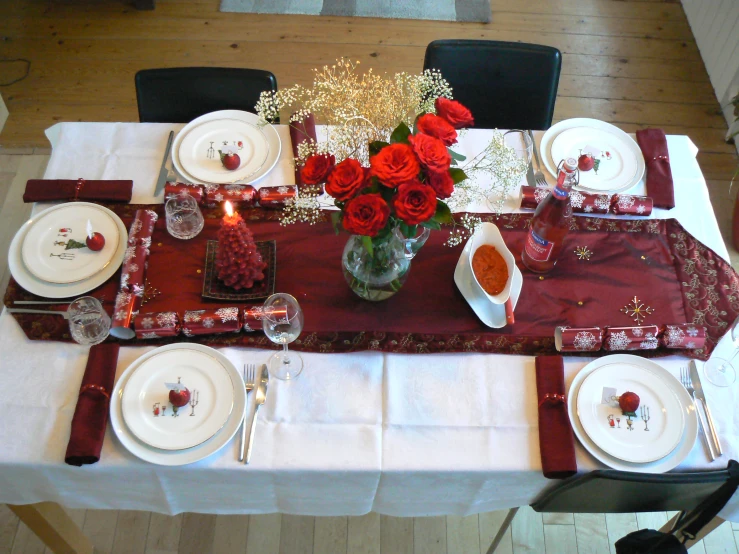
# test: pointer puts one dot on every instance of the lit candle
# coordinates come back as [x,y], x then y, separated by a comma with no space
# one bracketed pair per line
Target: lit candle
[231,217]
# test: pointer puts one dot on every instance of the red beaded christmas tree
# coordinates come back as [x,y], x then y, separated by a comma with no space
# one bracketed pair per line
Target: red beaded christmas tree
[238,262]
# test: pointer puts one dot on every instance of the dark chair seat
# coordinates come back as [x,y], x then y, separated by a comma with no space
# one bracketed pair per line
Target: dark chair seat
[180,94]
[506,85]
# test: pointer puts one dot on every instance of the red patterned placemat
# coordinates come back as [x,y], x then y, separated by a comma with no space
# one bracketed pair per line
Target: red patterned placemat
[655,260]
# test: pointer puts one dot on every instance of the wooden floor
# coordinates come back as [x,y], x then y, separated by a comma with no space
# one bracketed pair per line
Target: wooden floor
[633,63]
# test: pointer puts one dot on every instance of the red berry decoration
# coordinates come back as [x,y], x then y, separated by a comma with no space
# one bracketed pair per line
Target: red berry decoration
[585,162]
[230,160]
[179,398]
[629,402]
[95,242]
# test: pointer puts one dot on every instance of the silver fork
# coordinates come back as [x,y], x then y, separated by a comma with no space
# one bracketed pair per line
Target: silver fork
[541,181]
[688,384]
[250,381]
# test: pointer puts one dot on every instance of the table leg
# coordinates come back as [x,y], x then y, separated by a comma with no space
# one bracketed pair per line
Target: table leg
[54,527]
[145,4]
[503,528]
[707,528]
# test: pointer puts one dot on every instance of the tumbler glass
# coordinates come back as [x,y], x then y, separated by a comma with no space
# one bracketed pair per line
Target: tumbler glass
[184,218]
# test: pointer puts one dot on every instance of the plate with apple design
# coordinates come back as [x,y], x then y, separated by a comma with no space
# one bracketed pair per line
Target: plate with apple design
[177,399]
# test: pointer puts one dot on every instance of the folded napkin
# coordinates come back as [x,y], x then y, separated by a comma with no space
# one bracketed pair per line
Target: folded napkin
[653,145]
[44,190]
[302,131]
[91,414]
[556,442]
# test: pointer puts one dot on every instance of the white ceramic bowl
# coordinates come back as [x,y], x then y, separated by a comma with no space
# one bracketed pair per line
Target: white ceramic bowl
[488,233]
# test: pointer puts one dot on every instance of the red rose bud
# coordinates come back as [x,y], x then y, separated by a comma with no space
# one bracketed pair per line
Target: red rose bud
[142,228]
[578,339]
[135,261]
[207,322]
[631,338]
[240,196]
[684,336]
[438,127]
[394,165]
[455,113]
[432,153]
[415,203]
[442,183]
[157,325]
[626,204]
[317,168]
[252,316]
[345,180]
[365,215]
[171,190]
[276,197]
[629,402]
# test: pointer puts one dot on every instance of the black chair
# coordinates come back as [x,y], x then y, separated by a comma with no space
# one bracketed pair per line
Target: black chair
[506,85]
[697,496]
[180,94]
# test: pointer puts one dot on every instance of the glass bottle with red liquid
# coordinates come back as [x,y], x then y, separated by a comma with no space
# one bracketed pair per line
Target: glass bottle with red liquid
[551,222]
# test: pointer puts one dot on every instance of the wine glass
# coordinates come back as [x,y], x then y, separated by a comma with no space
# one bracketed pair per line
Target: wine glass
[282,323]
[513,166]
[719,371]
[89,324]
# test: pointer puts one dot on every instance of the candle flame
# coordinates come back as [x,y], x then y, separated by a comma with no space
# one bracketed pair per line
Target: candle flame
[229,208]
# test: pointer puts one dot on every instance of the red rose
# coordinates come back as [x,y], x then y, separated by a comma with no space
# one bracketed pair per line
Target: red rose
[345,180]
[317,168]
[431,151]
[415,203]
[394,165]
[442,183]
[366,214]
[455,113]
[435,126]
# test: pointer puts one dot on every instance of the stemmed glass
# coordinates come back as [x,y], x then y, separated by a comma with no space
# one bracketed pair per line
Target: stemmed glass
[719,371]
[282,323]
[521,146]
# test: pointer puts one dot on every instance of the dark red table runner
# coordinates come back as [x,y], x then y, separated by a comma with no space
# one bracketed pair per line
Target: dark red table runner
[655,260]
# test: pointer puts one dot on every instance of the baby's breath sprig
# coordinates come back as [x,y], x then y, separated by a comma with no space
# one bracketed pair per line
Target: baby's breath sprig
[463,229]
[304,207]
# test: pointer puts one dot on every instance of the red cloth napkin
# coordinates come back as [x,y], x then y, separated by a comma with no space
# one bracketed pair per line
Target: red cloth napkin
[653,145]
[91,414]
[301,131]
[43,190]
[556,441]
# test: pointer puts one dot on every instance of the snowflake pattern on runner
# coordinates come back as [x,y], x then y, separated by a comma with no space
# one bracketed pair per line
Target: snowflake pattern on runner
[208,322]
[692,332]
[584,340]
[674,336]
[649,342]
[690,345]
[167,319]
[146,323]
[218,197]
[194,316]
[618,341]
[588,209]
[247,195]
[625,202]
[540,194]
[640,209]
[637,331]
[150,335]
[228,314]
[210,189]
[576,199]
[603,202]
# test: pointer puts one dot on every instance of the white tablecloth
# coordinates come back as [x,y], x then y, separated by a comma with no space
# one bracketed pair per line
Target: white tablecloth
[405,435]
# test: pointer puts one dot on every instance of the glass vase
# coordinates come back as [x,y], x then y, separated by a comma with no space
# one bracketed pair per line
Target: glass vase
[379,274]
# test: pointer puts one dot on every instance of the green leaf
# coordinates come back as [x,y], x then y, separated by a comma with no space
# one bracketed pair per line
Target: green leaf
[376,146]
[443,213]
[335,220]
[457,175]
[387,194]
[409,231]
[455,156]
[431,224]
[367,243]
[400,134]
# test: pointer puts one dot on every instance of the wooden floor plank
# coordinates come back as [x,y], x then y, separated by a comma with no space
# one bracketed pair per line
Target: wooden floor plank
[26,542]
[264,534]
[296,534]
[720,540]
[164,534]
[396,535]
[490,523]
[8,527]
[560,539]
[429,535]
[651,520]
[364,534]
[619,525]
[197,534]
[100,529]
[558,518]
[231,532]
[462,534]
[592,534]
[527,532]
[131,532]
[330,536]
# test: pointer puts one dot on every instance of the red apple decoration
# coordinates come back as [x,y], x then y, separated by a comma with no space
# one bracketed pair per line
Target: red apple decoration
[179,398]
[230,160]
[95,242]
[586,162]
[629,402]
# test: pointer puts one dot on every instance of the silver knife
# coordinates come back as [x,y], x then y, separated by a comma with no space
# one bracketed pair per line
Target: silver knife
[64,314]
[698,388]
[163,170]
[261,397]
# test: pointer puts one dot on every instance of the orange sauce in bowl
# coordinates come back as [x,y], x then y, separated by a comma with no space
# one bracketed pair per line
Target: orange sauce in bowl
[490,269]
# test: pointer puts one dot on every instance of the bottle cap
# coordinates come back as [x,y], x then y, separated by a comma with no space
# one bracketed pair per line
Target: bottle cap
[570,164]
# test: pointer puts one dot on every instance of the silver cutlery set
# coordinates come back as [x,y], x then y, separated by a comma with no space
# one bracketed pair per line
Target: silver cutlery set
[690,379]
[251,381]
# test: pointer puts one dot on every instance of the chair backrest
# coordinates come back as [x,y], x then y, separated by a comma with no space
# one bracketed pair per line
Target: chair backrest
[611,491]
[180,94]
[506,85]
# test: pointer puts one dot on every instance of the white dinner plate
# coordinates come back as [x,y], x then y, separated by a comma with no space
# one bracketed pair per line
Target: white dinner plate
[551,134]
[190,455]
[662,465]
[492,315]
[273,140]
[615,160]
[199,150]
[56,290]
[630,438]
[46,247]
[154,420]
